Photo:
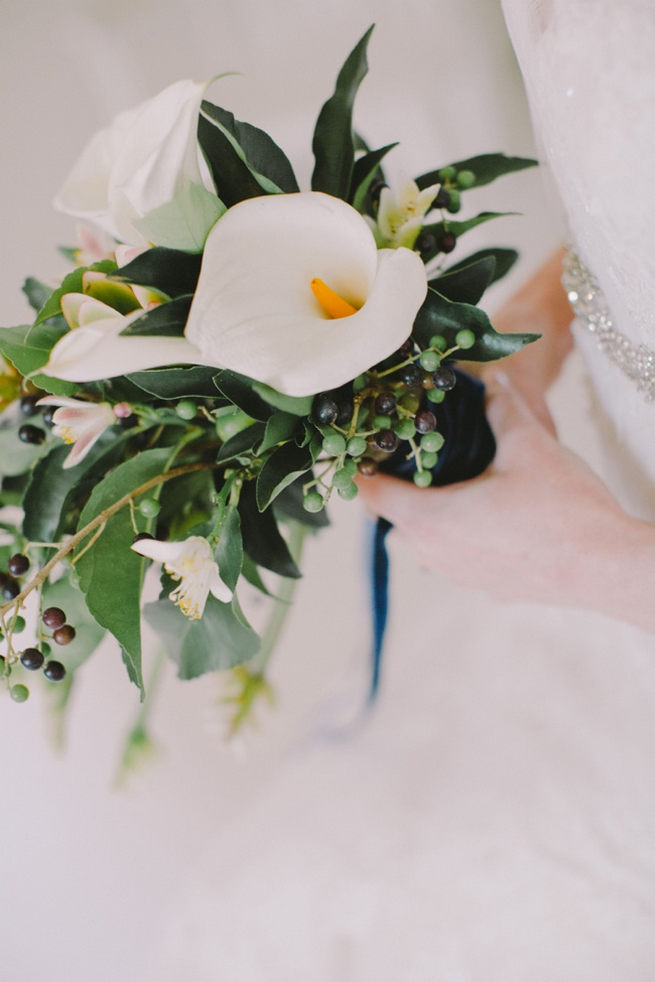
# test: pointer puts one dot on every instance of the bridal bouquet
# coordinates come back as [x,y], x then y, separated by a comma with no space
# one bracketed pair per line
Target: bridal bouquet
[227,352]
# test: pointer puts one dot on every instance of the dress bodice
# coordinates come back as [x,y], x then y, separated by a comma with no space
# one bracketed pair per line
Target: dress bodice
[589,74]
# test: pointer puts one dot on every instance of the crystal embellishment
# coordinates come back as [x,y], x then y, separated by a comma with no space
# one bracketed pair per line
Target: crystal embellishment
[637,362]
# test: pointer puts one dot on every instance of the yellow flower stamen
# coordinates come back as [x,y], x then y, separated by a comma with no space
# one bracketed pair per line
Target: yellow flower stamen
[330,301]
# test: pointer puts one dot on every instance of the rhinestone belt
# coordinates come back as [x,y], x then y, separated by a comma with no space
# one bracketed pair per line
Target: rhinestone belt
[637,362]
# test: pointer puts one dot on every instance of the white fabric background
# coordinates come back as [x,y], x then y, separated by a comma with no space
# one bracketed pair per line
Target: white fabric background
[493,821]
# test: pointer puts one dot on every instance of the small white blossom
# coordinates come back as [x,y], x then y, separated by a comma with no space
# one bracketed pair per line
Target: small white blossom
[400,215]
[80,423]
[192,563]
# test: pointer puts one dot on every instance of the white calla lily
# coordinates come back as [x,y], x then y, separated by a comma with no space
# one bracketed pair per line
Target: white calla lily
[192,563]
[293,292]
[80,423]
[146,161]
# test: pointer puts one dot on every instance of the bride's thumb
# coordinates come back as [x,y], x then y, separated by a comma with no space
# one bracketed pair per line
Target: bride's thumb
[506,409]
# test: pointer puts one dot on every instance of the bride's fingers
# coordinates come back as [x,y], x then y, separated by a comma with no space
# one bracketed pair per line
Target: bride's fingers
[396,500]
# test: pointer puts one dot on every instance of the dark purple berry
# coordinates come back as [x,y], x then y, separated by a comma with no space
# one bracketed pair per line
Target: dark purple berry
[444,378]
[326,410]
[54,671]
[385,404]
[426,244]
[346,409]
[442,199]
[48,413]
[9,587]
[32,659]
[386,440]
[411,374]
[53,617]
[427,381]
[127,422]
[367,467]
[31,434]
[447,242]
[28,405]
[63,635]
[18,564]
[425,421]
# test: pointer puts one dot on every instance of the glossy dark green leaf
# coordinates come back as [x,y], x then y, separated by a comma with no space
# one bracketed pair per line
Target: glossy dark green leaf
[297,405]
[177,383]
[283,466]
[238,390]
[365,170]
[262,156]
[262,540]
[333,142]
[229,553]
[28,348]
[187,506]
[279,428]
[251,574]
[466,284]
[71,284]
[170,271]
[111,573]
[37,293]
[486,167]
[219,640]
[166,320]
[441,316]
[243,442]
[504,258]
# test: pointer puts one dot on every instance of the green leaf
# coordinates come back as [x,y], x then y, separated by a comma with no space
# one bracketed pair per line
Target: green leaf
[177,383]
[229,554]
[466,284]
[36,292]
[219,640]
[365,170]
[250,573]
[17,457]
[28,348]
[297,405]
[283,466]
[505,259]
[186,506]
[166,320]
[486,167]
[70,284]
[171,271]
[240,392]
[243,442]
[458,228]
[183,223]
[110,572]
[264,159]
[441,316]
[333,142]
[279,429]
[262,540]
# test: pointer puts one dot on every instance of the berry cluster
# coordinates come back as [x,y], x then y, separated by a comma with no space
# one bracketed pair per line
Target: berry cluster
[28,432]
[384,407]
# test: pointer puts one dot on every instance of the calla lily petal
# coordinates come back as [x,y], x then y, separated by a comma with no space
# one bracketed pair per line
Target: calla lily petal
[254,311]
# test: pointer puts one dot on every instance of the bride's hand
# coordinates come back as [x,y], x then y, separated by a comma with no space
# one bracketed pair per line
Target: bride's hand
[537,526]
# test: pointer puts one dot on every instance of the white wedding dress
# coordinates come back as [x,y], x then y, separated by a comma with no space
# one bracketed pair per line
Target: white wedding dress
[493,819]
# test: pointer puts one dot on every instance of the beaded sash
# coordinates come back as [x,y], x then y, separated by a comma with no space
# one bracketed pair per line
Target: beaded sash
[637,362]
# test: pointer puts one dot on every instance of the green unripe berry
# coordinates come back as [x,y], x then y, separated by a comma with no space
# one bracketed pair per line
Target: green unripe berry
[334,444]
[19,693]
[466,179]
[435,396]
[428,460]
[348,492]
[422,479]
[360,382]
[429,360]
[349,467]
[410,402]
[356,446]
[465,338]
[149,507]
[381,423]
[447,173]
[405,429]
[455,202]
[342,478]
[19,625]
[186,409]
[439,342]
[313,502]
[432,442]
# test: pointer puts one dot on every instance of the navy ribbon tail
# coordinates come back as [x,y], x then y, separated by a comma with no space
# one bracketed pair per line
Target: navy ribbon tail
[380,599]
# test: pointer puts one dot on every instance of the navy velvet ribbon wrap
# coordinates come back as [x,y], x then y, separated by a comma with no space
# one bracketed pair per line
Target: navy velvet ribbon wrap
[468,450]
